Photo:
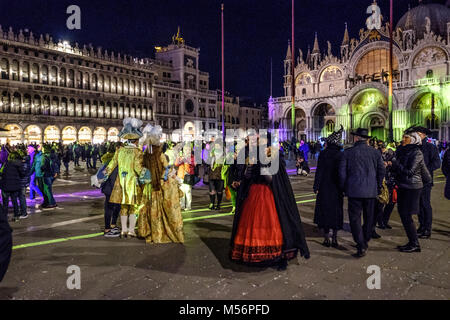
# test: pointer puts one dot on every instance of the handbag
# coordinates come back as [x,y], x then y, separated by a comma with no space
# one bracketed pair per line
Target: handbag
[383,197]
[227,193]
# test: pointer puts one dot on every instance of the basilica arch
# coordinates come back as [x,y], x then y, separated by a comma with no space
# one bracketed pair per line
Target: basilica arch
[323,120]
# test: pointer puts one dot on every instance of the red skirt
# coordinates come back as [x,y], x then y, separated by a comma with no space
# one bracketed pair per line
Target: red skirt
[259,237]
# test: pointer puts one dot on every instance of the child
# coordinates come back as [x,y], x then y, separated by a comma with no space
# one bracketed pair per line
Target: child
[302,166]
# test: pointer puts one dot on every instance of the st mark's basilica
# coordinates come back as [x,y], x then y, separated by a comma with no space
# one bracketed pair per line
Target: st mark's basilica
[352,89]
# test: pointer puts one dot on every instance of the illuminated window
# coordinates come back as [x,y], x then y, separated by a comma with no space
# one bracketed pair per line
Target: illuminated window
[375,62]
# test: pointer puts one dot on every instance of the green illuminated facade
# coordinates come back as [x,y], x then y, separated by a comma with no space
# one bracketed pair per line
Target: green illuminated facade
[352,89]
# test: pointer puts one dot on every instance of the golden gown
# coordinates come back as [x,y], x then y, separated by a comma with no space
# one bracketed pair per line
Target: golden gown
[160,219]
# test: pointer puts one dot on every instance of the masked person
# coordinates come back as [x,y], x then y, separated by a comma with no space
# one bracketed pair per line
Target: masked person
[267,229]
[127,192]
[160,219]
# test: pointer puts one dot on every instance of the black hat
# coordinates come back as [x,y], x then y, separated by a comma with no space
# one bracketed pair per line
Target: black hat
[361,132]
[418,129]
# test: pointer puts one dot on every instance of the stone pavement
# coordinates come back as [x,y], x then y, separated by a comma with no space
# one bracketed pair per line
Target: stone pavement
[200,269]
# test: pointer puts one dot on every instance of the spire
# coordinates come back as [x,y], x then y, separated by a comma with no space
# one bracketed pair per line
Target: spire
[288,53]
[308,55]
[408,24]
[346,37]
[316,45]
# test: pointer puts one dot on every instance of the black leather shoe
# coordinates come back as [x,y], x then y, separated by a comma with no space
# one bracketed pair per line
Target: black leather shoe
[217,207]
[387,226]
[411,248]
[426,234]
[420,230]
[360,253]
[334,243]
[375,235]
[381,226]
[326,243]
[403,247]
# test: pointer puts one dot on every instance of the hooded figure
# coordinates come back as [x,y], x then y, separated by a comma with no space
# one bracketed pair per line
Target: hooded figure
[329,212]
[160,219]
[127,192]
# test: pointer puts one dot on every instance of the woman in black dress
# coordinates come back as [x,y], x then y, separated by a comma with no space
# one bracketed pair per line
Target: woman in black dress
[329,213]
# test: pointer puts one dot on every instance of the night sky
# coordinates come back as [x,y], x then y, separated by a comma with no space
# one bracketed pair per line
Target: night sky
[255,31]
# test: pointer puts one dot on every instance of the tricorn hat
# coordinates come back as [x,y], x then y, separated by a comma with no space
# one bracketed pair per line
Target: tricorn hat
[361,132]
[418,129]
[131,129]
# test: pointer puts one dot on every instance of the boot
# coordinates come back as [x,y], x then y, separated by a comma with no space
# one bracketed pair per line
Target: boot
[123,222]
[131,232]
[334,242]
[426,234]
[212,199]
[219,200]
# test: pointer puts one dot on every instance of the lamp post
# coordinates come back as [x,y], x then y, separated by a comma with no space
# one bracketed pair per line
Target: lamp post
[391,129]
[292,76]
[223,84]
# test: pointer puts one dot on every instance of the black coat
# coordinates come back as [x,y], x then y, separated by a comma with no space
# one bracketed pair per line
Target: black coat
[12,176]
[329,212]
[25,180]
[5,243]
[409,168]
[431,157]
[446,172]
[361,171]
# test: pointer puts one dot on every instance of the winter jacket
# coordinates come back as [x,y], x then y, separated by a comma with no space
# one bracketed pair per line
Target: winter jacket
[410,169]
[25,181]
[12,176]
[431,157]
[361,171]
[37,164]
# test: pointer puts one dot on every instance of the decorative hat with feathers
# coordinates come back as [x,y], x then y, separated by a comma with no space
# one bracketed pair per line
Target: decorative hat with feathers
[131,129]
[152,135]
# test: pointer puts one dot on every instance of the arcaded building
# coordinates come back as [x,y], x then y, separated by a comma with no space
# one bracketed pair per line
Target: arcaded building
[351,89]
[57,91]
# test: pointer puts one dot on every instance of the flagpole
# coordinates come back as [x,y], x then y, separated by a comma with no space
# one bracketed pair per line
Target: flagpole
[391,129]
[292,76]
[223,84]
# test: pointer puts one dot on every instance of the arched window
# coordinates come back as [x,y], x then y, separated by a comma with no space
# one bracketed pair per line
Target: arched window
[94,85]
[429,73]
[114,85]
[101,81]
[62,77]
[35,73]
[26,72]
[15,70]
[54,76]
[45,75]
[4,67]
[71,82]
[303,92]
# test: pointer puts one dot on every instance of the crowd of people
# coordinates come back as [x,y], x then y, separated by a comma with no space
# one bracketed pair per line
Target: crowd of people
[148,184]
[375,176]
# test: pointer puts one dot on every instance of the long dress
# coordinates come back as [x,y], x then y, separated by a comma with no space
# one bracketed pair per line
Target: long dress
[329,212]
[160,219]
[267,225]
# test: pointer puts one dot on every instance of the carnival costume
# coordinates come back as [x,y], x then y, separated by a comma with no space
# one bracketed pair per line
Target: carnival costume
[267,228]
[160,219]
[127,192]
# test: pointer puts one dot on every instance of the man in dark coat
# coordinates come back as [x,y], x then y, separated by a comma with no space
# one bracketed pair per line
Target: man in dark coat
[361,172]
[11,182]
[329,212]
[433,162]
[5,242]
[446,172]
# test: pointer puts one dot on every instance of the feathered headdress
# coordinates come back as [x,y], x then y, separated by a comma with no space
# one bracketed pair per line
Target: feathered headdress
[152,135]
[131,129]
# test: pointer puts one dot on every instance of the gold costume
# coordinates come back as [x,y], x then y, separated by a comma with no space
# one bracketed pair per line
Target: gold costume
[160,219]
[127,190]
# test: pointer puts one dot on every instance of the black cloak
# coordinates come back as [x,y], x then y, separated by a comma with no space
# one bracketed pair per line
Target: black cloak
[288,214]
[5,242]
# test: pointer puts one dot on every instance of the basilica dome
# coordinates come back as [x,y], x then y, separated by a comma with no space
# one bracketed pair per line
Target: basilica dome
[416,19]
